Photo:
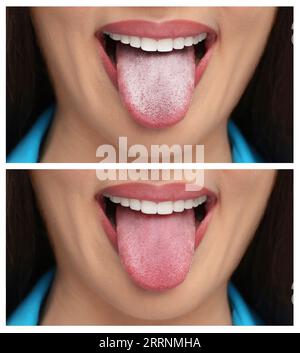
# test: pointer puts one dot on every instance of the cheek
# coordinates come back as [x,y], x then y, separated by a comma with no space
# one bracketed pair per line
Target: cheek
[241,19]
[243,33]
[66,200]
[68,43]
[61,192]
[242,38]
[64,35]
[244,196]
[64,17]
[246,186]
[63,181]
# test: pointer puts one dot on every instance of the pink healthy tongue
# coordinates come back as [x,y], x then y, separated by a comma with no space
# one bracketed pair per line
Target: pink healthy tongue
[156,88]
[156,250]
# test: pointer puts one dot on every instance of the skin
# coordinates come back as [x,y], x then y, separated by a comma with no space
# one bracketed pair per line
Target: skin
[91,285]
[89,110]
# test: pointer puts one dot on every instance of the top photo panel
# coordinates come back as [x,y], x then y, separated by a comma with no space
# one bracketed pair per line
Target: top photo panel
[149,84]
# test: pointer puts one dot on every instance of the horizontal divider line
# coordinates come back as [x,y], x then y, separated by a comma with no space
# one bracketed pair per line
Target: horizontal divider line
[171,166]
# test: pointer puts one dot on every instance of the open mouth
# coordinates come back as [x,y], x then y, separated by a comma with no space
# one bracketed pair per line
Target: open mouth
[155,233]
[166,45]
[156,67]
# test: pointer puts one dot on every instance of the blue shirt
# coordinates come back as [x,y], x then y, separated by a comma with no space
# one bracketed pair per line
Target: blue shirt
[28,149]
[28,312]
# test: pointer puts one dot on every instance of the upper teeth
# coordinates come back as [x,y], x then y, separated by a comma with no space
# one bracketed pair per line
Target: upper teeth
[161,45]
[163,208]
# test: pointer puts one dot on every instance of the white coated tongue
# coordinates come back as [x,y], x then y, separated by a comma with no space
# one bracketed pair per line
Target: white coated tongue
[156,88]
[156,250]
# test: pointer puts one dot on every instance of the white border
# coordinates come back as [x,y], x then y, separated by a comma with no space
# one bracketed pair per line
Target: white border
[295,166]
[148,3]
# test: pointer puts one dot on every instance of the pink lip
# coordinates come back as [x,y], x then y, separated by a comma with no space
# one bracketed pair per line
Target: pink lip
[168,29]
[156,193]
[157,30]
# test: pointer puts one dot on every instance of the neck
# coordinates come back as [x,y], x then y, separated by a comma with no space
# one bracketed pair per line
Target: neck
[72,140]
[71,303]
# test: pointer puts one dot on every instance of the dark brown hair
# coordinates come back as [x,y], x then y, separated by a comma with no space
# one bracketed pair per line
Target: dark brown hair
[264,276]
[264,113]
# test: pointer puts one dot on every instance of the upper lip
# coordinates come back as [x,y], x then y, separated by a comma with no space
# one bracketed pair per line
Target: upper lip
[157,192]
[158,30]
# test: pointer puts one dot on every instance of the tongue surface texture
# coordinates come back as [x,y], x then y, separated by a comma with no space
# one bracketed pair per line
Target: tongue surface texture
[156,250]
[156,88]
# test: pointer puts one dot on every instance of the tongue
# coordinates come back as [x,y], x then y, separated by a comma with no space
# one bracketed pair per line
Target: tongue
[156,250]
[156,88]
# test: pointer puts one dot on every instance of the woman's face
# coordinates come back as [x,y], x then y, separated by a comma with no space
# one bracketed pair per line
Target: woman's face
[159,263]
[106,89]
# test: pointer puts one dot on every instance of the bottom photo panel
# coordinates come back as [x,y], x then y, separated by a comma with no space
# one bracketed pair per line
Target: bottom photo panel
[149,247]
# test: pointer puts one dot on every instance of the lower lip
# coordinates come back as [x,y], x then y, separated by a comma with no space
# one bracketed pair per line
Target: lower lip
[112,72]
[201,229]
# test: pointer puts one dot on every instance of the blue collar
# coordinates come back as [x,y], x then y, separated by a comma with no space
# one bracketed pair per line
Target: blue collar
[27,313]
[28,149]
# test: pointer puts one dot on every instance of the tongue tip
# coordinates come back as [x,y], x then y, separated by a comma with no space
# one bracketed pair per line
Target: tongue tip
[159,284]
[156,122]
[159,287]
